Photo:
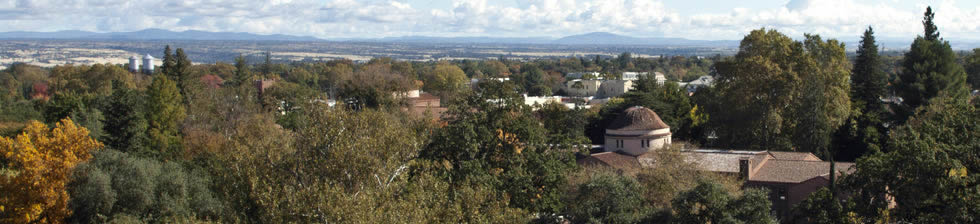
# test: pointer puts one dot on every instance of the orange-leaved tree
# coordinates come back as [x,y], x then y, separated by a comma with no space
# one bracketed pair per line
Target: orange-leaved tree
[38,164]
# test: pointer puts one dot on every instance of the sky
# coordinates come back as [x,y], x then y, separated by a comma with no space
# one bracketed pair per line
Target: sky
[692,19]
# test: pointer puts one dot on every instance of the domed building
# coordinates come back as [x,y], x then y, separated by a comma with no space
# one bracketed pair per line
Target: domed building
[637,131]
[790,177]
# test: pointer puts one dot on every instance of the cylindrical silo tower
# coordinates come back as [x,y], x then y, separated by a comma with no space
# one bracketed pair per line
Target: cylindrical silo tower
[148,64]
[134,65]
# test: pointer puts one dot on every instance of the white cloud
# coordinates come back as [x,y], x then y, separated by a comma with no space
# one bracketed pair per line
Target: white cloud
[376,18]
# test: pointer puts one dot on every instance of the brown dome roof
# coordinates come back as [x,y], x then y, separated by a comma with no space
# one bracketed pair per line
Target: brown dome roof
[637,118]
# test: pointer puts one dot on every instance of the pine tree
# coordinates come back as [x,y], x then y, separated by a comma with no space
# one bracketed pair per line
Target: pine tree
[168,62]
[164,114]
[869,81]
[932,33]
[126,128]
[865,130]
[929,68]
[242,73]
[182,71]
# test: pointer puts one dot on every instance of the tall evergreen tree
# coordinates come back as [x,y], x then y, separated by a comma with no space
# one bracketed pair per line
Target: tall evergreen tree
[169,62]
[869,81]
[181,71]
[267,66]
[126,125]
[242,73]
[973,69]
[929,68]
[931,31]
[164,114]
[865,130]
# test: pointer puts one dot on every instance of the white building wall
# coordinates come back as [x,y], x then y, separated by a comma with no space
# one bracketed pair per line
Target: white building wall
[637,145]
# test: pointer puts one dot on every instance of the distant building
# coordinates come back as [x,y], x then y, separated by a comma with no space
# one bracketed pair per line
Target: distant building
[660,77]
[636,132]
[262,85]
[148,64]
[424,105]
[701,82]
[580,87]
[583,75]
[789,176]
[597,88]
[407,94]
[633,75]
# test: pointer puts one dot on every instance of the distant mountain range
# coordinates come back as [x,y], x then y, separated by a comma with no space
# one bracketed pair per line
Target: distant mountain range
[596,38]
[153,34]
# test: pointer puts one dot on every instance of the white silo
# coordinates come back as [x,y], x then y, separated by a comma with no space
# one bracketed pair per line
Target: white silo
[148,64]
[134,65]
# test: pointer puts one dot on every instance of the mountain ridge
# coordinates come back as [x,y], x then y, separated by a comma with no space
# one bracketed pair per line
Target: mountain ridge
[153,34]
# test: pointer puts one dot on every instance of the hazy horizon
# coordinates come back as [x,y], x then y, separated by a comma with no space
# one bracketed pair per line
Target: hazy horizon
[340,19]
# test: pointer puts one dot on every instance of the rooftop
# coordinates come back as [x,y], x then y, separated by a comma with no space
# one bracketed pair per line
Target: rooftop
[637,118]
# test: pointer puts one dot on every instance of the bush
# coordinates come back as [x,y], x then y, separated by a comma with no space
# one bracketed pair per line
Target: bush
[121,187]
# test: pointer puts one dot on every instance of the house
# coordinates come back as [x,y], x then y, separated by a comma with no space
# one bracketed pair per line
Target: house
[579,87]
[789,176]
[633,76]
[424,104]
[262,85]
[597,88]
[701,82]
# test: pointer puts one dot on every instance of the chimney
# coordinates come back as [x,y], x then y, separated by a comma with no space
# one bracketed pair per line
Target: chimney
[743,168]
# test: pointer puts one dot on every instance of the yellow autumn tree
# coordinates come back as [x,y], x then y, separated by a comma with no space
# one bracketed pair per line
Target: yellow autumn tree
[38,164]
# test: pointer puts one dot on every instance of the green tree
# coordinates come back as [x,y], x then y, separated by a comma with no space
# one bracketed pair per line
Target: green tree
[565,124]
[242,74]
[668,100]
[765,87]
[708,202]
[865,130]
[931,31]
[445,79]
[169,63]
[125,125]
[164,114]
[869,81]
[492,139]
[825,67]
[607,197]
[822,207]
[115,183]
[267,66]
[929,68]
[182,71]
[930,170]
[973,68]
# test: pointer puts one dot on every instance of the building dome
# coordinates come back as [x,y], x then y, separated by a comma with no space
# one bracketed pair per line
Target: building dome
[637,119]
[637,131]
[147,56]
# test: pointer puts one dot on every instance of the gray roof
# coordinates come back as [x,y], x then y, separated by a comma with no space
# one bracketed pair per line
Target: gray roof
[796,171]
